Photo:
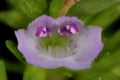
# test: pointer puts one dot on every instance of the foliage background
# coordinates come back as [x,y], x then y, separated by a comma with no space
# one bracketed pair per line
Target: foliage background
[15,15]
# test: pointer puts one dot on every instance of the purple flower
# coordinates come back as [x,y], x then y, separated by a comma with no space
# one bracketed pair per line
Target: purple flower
[61,42]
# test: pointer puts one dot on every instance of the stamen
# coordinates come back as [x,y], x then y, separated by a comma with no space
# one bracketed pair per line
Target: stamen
[42,32]
[57,52]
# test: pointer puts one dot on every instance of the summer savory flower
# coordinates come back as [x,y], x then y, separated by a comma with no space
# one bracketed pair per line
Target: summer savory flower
[62,42]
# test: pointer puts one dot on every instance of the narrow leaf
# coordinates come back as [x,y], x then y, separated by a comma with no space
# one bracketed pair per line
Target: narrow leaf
[34,73]
[114,41]
[13,48]
[14,19]
[32,8]
[116,70]
[87,8]
[106,17]
[2,71]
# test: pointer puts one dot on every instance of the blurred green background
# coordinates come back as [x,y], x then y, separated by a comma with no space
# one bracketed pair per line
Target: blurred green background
[16,14]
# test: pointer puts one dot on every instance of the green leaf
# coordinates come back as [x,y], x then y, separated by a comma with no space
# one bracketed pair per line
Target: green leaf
[111,44]
[14,19]
[55,6]
[109,61]
[87,8]
[109,76]
[34,73]
[106,17]
[2,71]
[13,48]
[59,74]
[116,70]
[114,41]
[32,8]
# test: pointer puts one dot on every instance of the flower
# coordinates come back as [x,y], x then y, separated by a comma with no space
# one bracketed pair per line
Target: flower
[62,42]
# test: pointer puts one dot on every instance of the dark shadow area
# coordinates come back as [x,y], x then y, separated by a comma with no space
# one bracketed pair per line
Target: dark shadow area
[7,33]
[114,27]
[14,76]
[3,5]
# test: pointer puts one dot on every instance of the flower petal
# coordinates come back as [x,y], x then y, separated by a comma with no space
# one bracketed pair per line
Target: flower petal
[42,21]
[88,44]
[27,47]
[77,65]
[63,21]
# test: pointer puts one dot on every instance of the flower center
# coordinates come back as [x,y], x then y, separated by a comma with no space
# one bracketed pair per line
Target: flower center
[57,44]
[56,39]
[68,29]
[53,41]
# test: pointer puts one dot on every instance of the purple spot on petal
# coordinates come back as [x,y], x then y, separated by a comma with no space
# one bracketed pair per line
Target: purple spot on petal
[38,31]
[69,29]
[42,32]
[75,27]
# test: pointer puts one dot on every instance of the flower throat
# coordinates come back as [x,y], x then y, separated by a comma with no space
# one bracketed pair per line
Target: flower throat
[54,41]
